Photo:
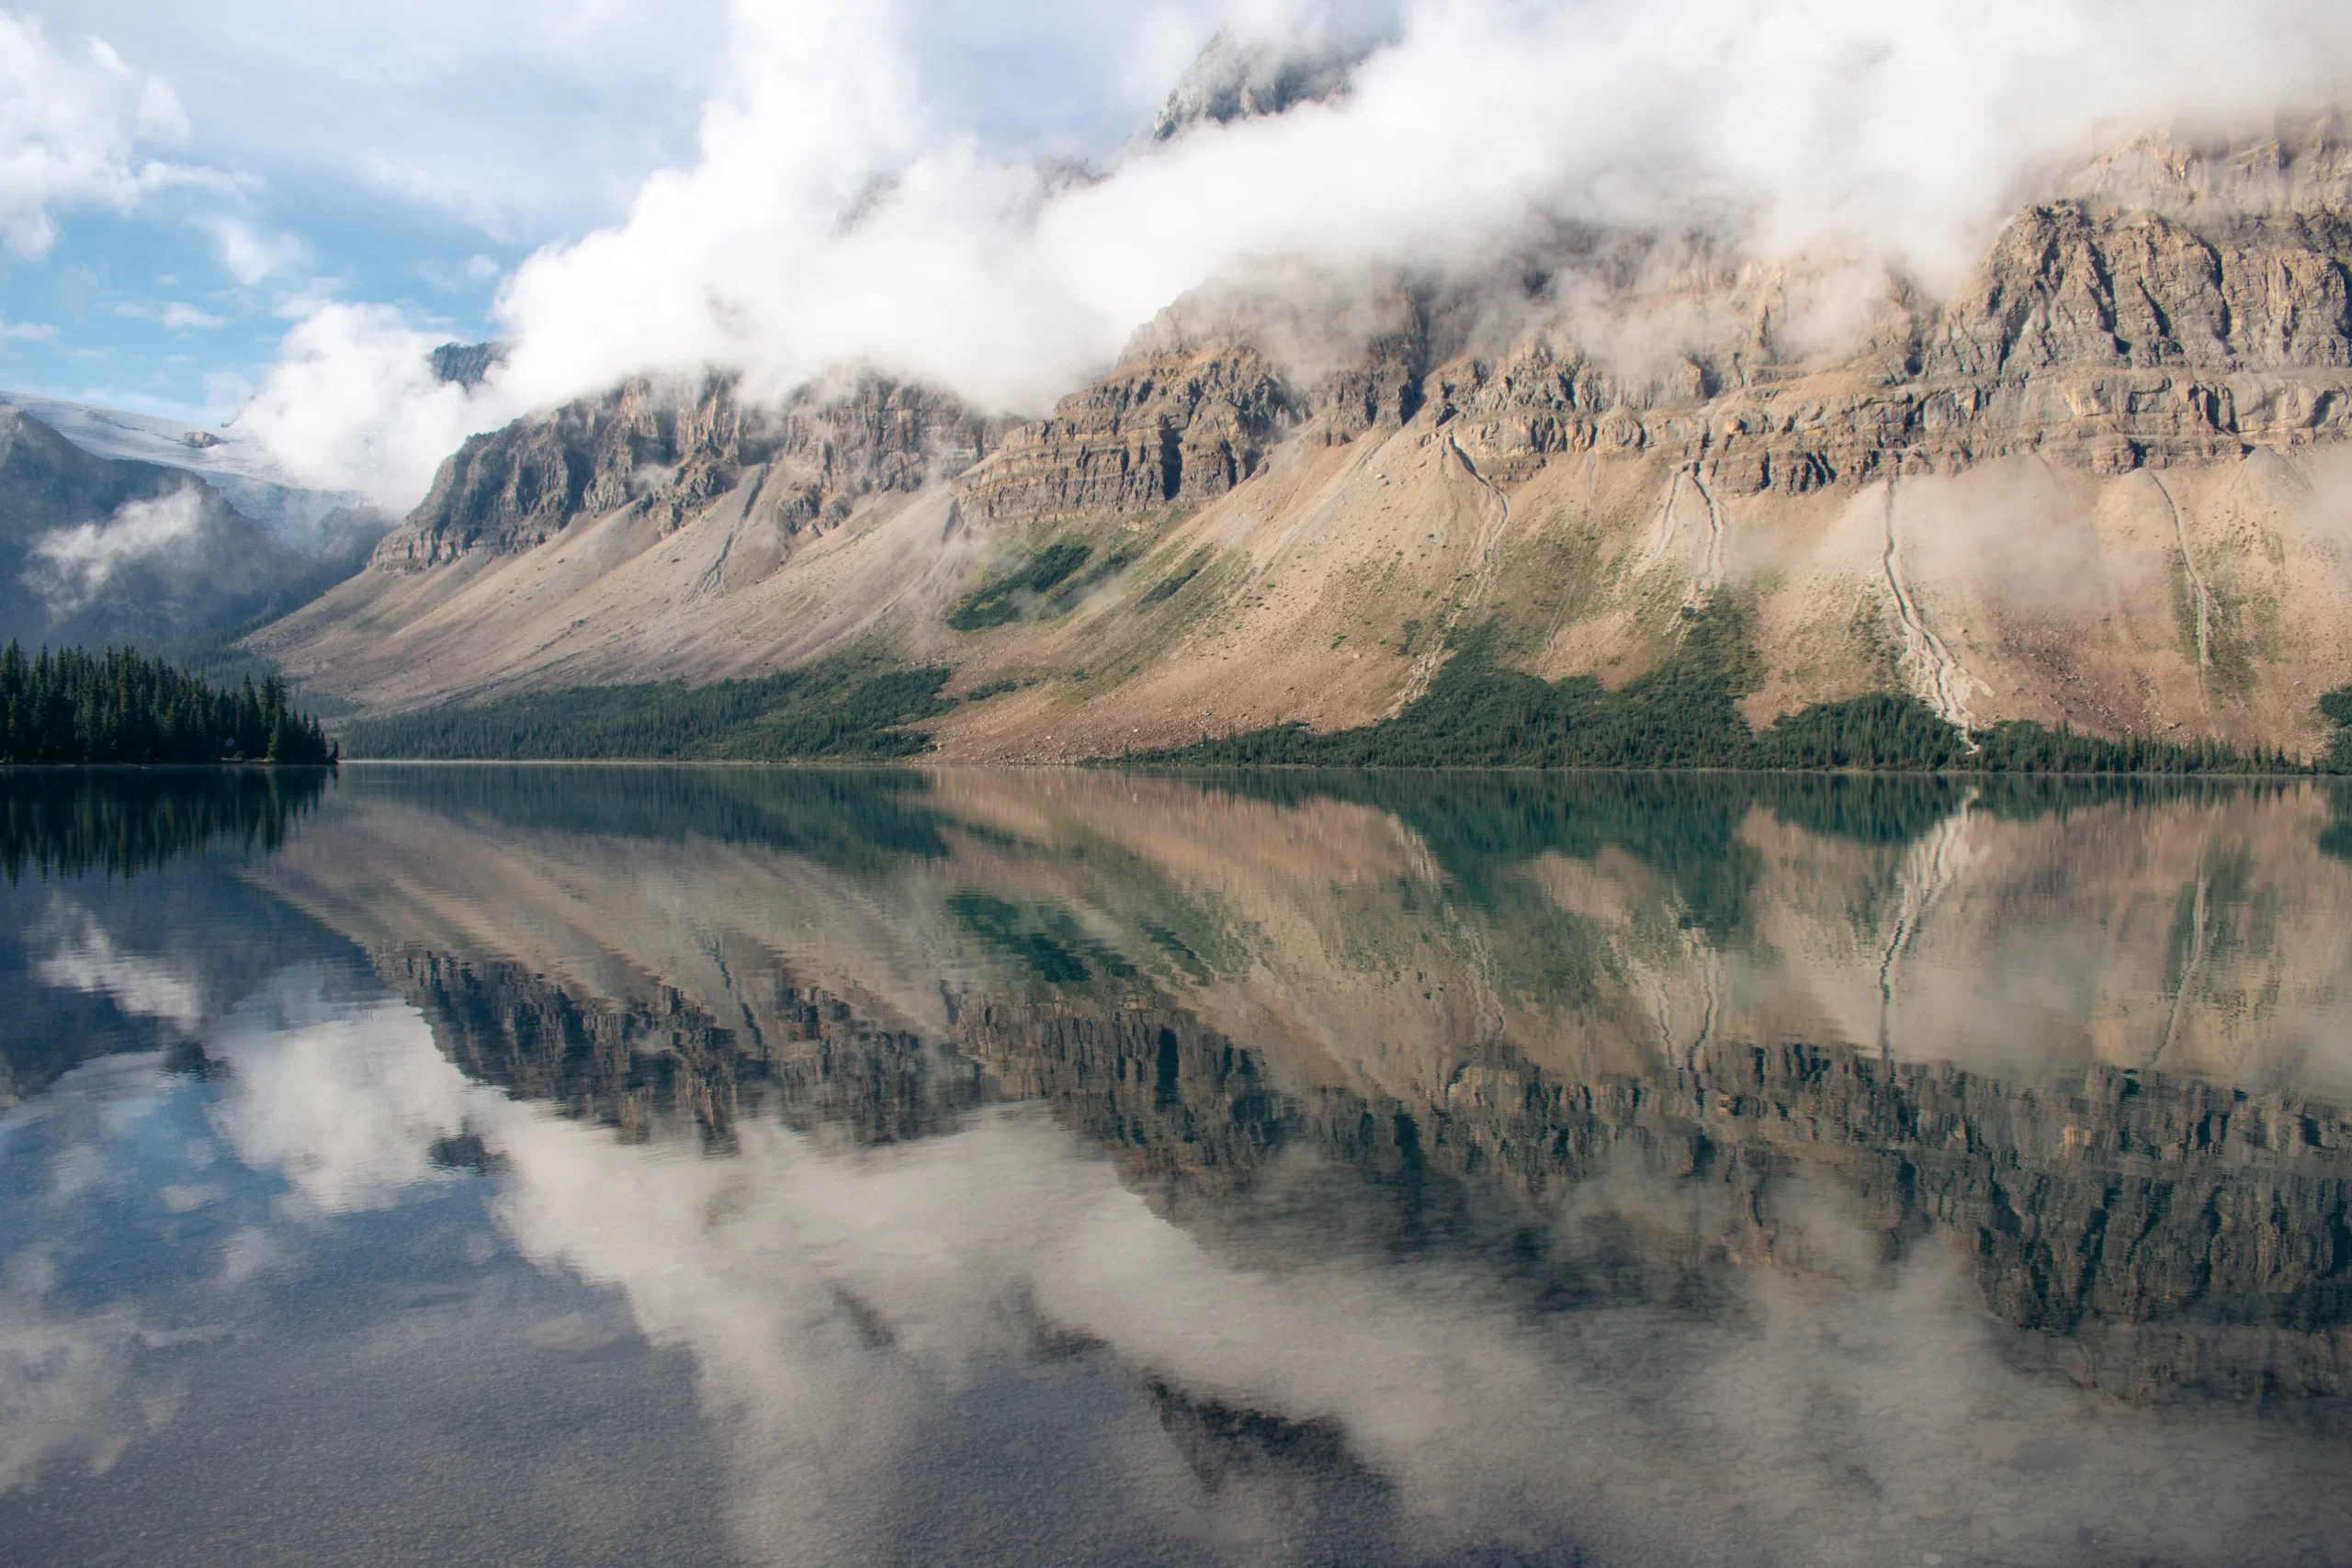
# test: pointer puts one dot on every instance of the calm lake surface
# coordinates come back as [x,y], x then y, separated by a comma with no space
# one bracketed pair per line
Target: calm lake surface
[573,1166]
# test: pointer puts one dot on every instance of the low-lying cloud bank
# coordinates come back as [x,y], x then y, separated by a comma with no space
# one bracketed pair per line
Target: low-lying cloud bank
[836,218]
[69,566]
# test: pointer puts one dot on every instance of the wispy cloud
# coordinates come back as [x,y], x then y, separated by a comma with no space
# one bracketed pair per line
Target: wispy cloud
[69,566]
[254,254]
[178,316]
[77,129]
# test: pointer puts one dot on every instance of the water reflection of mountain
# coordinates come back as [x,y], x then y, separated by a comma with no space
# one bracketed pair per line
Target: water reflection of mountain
[2088,1048]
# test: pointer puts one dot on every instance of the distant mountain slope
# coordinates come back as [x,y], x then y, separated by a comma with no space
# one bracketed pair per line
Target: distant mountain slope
[96,549]
[314,521]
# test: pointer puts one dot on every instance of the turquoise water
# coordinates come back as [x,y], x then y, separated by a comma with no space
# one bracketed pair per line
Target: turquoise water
[581,1165]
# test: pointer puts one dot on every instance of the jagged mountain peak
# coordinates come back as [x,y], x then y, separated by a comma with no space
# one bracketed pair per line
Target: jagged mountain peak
[1237,77]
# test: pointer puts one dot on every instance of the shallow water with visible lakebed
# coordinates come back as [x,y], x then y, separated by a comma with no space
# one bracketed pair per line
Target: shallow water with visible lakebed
[572,1165]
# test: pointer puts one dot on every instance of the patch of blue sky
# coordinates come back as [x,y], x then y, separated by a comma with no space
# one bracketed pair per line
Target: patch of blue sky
[143,313]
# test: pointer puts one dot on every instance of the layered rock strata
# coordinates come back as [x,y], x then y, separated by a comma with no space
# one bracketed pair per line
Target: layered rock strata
[2090,482]
[668,454]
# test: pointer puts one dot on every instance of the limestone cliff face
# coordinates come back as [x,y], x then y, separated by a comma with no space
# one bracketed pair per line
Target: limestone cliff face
[1172,429]
[637,1065]
[668,456]
[1235,79]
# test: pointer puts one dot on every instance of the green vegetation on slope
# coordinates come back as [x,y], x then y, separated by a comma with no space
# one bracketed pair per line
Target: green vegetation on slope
[999,600]
[1045,584]
[1685,713]
[116,706]
[849,707]
[2336,709]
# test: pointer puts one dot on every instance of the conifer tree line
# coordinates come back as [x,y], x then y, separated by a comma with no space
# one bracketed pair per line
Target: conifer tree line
[116,706]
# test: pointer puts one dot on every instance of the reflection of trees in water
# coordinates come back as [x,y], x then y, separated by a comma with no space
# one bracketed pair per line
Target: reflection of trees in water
[849,821]
[1686,826]
[66,822]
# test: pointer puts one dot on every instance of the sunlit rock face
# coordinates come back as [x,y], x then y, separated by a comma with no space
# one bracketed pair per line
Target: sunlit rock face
[2095,480]
[671,453]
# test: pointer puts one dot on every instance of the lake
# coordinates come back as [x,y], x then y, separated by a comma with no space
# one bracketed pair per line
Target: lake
[567,1165]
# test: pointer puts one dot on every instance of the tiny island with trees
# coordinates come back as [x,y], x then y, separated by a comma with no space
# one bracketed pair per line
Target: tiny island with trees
[72,707]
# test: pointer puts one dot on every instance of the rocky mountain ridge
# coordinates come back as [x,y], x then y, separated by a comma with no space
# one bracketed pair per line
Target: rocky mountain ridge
[2143,399]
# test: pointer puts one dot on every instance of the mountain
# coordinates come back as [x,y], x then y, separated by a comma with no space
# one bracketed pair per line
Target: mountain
[2095,482]
[246,475]
[97,550]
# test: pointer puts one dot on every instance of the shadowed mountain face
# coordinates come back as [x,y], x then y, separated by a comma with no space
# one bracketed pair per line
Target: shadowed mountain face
[97,550]
[1301,1168]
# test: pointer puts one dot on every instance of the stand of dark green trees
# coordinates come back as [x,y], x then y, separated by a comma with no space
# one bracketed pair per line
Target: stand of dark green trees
[850,707]
[1685,713]
[70,707]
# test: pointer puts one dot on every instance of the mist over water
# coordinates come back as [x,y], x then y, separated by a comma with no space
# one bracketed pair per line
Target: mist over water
[621,1164]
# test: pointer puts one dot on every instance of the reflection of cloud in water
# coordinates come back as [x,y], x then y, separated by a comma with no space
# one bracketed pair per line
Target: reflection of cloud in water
[68,1390]
[347,1101]
[144,988]
[843,1307]
[943,1347]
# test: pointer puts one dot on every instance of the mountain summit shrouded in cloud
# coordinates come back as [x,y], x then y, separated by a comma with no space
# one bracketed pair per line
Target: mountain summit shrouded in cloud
[1134,374]
[835,218]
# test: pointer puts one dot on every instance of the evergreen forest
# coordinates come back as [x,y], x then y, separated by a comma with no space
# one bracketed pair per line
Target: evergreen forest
[849,708]
[69,706]
[1685,713]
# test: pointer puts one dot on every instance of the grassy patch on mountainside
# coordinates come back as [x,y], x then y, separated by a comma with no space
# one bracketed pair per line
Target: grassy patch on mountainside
[1002,599]
[1047,582]
[1685,713]
[849,708]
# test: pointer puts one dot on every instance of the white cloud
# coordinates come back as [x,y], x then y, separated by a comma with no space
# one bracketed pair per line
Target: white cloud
[66,1387]
[536,118]
[178,316]
[1898,134]
[29,331]
[470,274]
[347,1101]
[255,255]
[70,565]
[352,404]
[72,128]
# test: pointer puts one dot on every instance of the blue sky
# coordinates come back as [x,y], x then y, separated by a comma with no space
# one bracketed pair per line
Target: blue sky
[413,155]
